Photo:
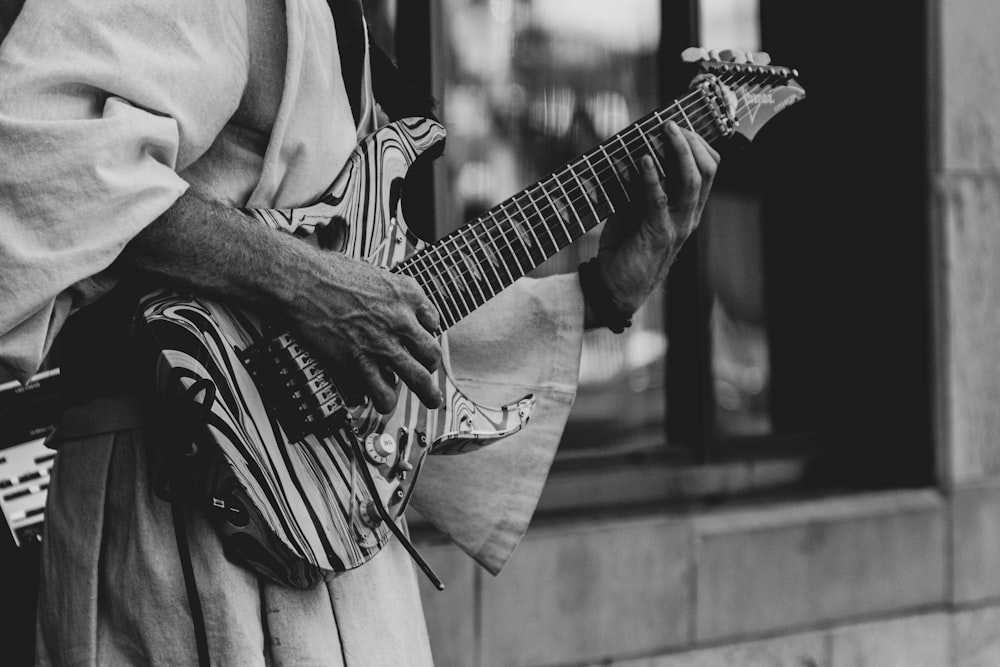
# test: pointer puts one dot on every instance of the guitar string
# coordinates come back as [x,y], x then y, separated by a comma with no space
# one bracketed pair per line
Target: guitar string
[482,218]
[652,118]
[461,244]
[434,276]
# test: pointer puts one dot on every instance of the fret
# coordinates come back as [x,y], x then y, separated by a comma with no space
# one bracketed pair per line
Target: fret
[652,152]
[569,204]
[686,119]
[541,216]
[474,270]
[412,268]
[443,267]
[450,306]
[586,194]
[628,153]
[506,232]
[555,215]
[517,227]
[524,222]
[614,171]
[597,179]
[491,259]
[531,225]
[451,269]
[492,234]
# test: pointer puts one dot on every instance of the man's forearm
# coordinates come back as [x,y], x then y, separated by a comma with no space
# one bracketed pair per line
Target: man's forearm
[365,321]
[215,250]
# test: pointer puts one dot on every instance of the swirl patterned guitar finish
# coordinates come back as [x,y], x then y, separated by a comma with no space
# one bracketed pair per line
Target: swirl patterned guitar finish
[304,485]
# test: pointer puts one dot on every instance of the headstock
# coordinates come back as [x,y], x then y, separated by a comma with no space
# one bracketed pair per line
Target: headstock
[749,94]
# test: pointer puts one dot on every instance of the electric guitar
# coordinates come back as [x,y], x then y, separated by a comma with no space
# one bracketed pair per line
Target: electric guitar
[303,484]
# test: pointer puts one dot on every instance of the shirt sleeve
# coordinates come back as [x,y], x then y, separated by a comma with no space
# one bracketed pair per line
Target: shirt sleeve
[101,104]
[525,341]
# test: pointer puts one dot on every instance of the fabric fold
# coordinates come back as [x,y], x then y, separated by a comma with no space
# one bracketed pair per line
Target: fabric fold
[105,126]
[484,500]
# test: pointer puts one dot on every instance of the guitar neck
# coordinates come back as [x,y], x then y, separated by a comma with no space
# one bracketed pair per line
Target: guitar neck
[465,269]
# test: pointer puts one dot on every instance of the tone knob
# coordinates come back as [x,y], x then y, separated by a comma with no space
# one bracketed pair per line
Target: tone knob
[369,514]
[379,447]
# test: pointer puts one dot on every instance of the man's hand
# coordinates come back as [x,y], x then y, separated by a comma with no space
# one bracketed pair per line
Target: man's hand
[371,325]
[634,256]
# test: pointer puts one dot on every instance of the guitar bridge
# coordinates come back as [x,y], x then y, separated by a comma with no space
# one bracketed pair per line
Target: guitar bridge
[297,389]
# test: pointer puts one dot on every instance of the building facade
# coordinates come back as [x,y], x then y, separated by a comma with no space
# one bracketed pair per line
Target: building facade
[905,572]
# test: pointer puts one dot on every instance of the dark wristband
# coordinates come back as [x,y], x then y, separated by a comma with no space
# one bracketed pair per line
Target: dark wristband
[598,297]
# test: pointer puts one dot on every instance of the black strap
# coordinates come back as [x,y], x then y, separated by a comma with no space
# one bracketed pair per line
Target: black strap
[348,17]
[394,92]
[194,601]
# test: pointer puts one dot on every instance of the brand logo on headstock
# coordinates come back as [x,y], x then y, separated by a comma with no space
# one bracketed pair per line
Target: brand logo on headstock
[754,101]
[759,98]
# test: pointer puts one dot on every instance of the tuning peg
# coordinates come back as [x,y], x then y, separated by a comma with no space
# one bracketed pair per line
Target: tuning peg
[734,56]
[693,54]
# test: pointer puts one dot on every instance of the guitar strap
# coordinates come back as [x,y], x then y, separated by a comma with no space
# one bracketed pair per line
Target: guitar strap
[349,20]
[394,93]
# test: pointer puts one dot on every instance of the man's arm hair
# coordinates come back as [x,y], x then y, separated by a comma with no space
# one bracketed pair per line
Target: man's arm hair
[367,322]
[211,249]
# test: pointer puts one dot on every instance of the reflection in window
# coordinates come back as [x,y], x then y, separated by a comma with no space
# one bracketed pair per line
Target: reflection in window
[529,85]
[739,349]
[740,353]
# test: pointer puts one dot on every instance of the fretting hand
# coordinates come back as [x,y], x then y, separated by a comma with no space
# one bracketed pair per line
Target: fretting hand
[636,249]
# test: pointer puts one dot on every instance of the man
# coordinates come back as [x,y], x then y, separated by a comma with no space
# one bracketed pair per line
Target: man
[129,134]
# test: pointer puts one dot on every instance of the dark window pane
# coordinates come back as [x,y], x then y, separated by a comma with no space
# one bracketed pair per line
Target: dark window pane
[740,356]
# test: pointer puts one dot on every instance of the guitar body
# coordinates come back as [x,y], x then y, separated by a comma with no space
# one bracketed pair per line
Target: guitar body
[302,484]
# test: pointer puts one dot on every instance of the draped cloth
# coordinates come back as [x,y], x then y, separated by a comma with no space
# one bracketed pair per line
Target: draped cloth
[109,111]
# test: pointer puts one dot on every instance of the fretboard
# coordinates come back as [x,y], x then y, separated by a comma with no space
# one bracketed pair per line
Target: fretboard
[465,269]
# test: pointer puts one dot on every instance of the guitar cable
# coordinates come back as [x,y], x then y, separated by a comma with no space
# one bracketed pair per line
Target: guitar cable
[384,513]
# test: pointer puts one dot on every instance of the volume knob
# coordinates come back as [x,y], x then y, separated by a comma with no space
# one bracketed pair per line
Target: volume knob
[379,447]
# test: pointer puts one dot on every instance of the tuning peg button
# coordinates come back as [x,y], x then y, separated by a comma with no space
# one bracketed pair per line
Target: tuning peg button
[693,54]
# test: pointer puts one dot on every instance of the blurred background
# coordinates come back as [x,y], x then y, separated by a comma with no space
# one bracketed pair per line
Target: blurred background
[790,458]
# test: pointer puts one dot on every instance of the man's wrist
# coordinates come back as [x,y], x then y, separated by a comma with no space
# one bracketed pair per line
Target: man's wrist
[599,304]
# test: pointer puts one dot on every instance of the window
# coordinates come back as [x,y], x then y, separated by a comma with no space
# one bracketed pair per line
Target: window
[774,353]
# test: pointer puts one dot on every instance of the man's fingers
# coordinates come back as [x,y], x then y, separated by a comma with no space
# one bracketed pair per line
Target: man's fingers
[416,377]
[424,347]
[687,176]
[707,160]
[429,317]
[656,198]
[374,383]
